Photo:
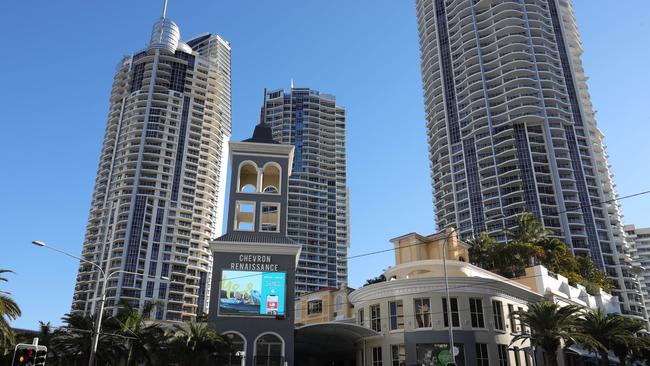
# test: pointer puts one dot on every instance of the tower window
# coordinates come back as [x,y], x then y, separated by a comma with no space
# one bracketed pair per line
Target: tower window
[245,216]
[270,217]
[271,178]
[247,177]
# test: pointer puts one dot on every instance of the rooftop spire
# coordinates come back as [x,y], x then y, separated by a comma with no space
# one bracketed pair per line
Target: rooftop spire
[165,33]
[164,13]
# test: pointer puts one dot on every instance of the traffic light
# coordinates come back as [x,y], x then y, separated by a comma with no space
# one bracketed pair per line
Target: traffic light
[29,355]
[25,355]
[41,355]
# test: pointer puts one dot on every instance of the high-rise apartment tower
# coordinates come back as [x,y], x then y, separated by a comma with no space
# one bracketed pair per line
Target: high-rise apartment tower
[318,217]
[159,192]
[639,238]
[511,128]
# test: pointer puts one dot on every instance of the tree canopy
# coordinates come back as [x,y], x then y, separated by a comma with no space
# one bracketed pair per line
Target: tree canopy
[529,244]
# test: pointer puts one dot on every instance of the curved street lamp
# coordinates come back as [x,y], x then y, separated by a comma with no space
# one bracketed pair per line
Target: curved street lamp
[98,322]
[448,300]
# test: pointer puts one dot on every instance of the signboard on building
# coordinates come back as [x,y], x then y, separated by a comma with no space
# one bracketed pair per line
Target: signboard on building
[252,293]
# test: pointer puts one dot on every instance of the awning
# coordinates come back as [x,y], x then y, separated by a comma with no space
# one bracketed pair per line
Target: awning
[330,337]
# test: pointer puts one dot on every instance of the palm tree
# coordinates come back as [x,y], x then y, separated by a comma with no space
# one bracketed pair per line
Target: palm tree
[197,344]
[73,341]
[9,310]
[143,341]
[634,344]
[550,326]
[504,259]
[642,353]
[555,253]
[520,255]
[529,230]
[45,336]
[601,332]
[588,270]
[523,249]
[482,251]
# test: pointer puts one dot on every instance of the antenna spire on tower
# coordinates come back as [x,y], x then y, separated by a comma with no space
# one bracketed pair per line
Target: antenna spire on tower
[164,13]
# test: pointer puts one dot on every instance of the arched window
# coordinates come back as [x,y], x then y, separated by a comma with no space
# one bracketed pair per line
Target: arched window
[269,350]
[338,303]
[247,177]
[237,343]
[271,178]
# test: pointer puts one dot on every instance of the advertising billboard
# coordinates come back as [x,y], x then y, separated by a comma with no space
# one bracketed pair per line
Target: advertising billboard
[438,354]
[250,293]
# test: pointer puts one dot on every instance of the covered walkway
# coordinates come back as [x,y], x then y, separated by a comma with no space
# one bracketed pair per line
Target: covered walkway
[329,344]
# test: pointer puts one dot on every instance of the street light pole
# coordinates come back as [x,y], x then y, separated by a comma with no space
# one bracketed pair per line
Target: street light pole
[448,300]
[98,321]
[102,301]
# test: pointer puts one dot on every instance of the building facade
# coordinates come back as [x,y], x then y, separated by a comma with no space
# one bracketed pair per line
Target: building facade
[255,262]
[159,193]
[639,239]
[318,194]
[511,128]
[409,310]
[325,305]
[404,320]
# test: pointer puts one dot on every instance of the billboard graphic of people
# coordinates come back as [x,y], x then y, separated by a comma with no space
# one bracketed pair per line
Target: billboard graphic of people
[245,293]
[438,354]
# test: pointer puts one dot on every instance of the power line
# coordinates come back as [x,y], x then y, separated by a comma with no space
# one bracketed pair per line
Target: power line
[440,232]
[362,255]
[606,201]
[417,244]
[434,290]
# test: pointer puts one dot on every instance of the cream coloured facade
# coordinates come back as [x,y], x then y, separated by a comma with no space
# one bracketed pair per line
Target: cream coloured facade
[159,192]
[326,305]
[403,320]
[409,310]
[511,129]
[556,288]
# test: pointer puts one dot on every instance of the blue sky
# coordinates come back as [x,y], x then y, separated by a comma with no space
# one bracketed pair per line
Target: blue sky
[58,61]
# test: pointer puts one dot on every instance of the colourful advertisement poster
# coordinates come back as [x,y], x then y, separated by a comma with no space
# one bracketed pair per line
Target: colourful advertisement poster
[246,293]
[438,354]
[272,293]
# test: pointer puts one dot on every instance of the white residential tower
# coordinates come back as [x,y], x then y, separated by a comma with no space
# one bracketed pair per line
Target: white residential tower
[159,192]
[318,194]
[511,128]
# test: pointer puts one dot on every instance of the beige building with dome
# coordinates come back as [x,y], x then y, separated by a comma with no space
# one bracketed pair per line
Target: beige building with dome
[403,320]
